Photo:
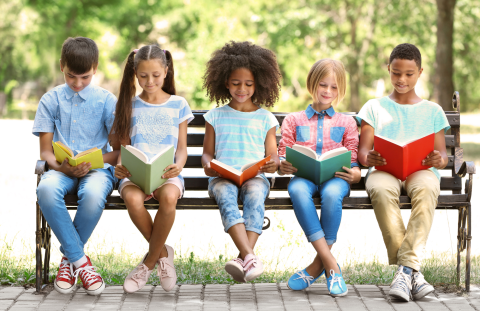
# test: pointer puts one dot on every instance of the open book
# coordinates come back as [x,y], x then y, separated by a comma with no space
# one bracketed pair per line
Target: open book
[315,168]
[406,158]
[147,174]
[94,155]
[246,172]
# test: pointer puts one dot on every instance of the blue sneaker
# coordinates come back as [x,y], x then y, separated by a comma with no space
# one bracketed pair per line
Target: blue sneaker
[336,284]
[402,284]
[301,280]
[420,287]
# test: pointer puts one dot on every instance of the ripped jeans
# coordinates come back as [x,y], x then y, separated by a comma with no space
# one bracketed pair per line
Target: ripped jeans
[252,193]
[92,191]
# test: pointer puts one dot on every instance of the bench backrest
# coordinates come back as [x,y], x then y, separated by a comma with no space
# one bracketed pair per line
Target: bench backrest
[451,182]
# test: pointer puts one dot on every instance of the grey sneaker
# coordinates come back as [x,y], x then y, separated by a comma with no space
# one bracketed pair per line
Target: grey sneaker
[420,287]
[402,284]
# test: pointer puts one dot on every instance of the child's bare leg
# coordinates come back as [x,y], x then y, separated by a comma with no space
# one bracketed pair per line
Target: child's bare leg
[134,198]
[240,238]
[252,240]
[167,198]
[326,257]
[316,267]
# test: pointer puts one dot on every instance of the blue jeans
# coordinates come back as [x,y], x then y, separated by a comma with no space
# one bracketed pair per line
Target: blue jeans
[252,193]
[332,192]
[92,190]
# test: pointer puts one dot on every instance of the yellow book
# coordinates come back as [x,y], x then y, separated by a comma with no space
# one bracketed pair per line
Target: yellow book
[94,155]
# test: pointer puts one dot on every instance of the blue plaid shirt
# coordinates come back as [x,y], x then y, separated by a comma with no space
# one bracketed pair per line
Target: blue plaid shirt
[79,120]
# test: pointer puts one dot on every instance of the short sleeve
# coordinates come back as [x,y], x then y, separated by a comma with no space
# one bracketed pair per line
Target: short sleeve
[366,113]
[110,105]
[210,117]
[45,115]
[185,112]
[272,122]
[441,121]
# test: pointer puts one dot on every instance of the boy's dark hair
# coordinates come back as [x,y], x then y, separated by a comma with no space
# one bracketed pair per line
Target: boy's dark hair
[407,51]
[123,111]
[79,54]
[234,55]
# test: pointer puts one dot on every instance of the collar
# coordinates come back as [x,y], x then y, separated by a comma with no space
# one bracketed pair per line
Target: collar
[69,93]
[310,112]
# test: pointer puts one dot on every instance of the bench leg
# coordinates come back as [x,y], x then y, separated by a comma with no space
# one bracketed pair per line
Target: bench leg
[47,247]
[469,240]
[38,251]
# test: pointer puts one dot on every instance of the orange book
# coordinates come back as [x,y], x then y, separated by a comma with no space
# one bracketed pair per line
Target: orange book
[403,159]
[247,171]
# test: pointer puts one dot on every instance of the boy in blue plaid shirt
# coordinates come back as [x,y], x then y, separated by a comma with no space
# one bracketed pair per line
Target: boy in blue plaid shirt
[80,115]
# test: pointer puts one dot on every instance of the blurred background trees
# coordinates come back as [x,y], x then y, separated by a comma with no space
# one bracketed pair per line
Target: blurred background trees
[360,33]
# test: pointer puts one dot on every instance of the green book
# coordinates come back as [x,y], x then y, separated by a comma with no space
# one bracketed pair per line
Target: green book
[147,174]
[321,168]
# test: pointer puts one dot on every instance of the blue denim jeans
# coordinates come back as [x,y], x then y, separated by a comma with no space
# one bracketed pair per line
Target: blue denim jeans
[331,192]
[92,190]
[252,193]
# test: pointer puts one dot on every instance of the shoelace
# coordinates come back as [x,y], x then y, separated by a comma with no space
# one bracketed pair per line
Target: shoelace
[66,270]
[141,273]
[251,262]
[335,279]
[402,284]
[306,278]
[164,265]
[418,279]
[239,261]
[88,275]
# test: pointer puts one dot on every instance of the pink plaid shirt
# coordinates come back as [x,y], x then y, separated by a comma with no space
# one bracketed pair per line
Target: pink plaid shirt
[320,131]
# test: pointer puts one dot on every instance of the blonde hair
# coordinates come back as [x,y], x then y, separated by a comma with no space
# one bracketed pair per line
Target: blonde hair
[323,68]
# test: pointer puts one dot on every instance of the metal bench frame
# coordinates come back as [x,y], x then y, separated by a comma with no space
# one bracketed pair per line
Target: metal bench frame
[456,200]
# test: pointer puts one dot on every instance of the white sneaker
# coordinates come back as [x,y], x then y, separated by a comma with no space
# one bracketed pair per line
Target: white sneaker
[401,285]
[235,268]
[420,287]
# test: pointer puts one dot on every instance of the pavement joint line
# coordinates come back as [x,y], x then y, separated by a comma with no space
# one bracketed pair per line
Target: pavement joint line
[279,289]
[308,297]
[441,301]
[470,303]
[15,300]
[72,294]
[387,298]
[97,298]
[175,301]
[228,297]
[359,296]
[255,301]
[202,296]
[150,295]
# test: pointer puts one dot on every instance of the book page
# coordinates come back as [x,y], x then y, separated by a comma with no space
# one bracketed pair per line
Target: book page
[332,153]
[65,148]
[227,167]
[305,150]
[158,154]
[138,153]
[81,154]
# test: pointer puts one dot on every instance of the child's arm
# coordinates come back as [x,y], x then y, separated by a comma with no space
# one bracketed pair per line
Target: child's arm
[288,139]
[366,155]
[350,141]
[271,149]
[121,171]
[438,158]
[209,150]
[173,170]
[46,153]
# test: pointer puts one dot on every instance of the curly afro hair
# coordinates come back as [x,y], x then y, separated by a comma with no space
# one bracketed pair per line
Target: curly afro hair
[234,55]
[407,51]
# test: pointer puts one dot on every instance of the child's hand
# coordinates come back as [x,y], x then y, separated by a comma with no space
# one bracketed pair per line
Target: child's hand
[121,172]
[374,159]
[173,170]
[210,172]
[75,171]
[434,159]
[352,176]
[269,167]
[287,167]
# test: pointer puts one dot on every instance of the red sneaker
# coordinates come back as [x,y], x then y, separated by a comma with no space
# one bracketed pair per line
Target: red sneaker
[91,279]
[65,280]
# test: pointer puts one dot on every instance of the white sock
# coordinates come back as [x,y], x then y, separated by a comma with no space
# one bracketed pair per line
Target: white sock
[80,262]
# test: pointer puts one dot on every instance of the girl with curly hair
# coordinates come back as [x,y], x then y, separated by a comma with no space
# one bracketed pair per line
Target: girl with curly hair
[152,121]
[244,76]
[322,129]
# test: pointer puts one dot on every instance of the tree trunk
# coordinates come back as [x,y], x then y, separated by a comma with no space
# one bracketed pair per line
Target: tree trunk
[443,80]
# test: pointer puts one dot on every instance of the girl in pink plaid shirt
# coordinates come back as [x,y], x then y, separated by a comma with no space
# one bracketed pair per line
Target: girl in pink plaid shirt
[320,128]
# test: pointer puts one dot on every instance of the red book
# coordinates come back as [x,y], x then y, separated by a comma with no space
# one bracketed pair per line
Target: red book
[247,171]
[403,159]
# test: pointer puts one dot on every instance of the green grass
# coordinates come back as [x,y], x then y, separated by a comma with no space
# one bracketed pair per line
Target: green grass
[469,129]
[114,266]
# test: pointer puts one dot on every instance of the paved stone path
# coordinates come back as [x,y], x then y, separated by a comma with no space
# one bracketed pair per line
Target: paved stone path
[232,297]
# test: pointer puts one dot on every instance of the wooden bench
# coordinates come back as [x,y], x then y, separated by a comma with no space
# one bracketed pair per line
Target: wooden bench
[457,168]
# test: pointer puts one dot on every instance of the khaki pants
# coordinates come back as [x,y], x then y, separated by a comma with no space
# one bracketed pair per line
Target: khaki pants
[404,247]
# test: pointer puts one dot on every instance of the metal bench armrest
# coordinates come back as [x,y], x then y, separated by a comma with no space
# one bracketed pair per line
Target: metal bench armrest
[41,167]
[467,167]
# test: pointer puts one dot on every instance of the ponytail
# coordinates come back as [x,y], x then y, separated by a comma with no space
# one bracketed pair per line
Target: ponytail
[169,82]
[123,111]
